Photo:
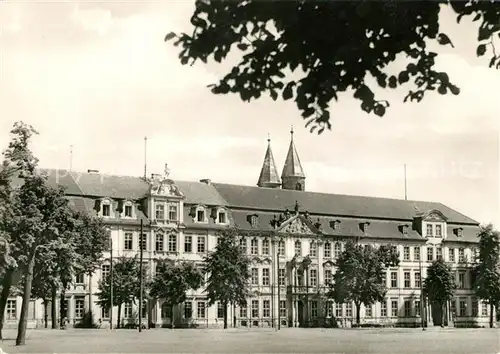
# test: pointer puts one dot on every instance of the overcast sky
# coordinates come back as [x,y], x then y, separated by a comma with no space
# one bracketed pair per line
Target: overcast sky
[99,76]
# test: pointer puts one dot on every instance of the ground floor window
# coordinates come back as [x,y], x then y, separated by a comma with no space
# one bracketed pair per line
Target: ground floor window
[105,313]
[383,309]
[255,308]
[394,308]
[348,309]
[475,307]
[79,307]
[166,310]
[11,309]
[329,309]
[407,308]
[266,308]
[188,309]
[338,310]
[368,311]
[282,308]
[453,306]
[201,309]
[127,310]
[417,307]
[243,312]
[314,309]
[220,310]
[463,308]
[484,309]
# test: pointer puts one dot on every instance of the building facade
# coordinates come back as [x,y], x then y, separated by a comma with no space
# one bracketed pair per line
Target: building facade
[292,236]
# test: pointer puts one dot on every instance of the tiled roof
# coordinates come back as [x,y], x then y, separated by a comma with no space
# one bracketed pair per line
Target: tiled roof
[292,167]
[248,197]
[269,173]
[200,193]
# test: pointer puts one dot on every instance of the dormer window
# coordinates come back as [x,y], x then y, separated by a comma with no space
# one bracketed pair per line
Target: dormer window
[253,220]
[106,208]
[429,230]
[128,211]
[222,217]
[200,215]
[404,229]
[335,224]
[438,231]
[365,226]
[459,232]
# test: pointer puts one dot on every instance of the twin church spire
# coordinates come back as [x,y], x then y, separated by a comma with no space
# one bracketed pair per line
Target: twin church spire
[292,177]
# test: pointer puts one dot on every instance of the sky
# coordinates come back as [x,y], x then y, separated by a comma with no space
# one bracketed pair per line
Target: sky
[99,77]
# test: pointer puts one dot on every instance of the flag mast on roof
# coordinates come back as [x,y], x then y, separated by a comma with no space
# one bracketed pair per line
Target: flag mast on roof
[406,192]
[145,156]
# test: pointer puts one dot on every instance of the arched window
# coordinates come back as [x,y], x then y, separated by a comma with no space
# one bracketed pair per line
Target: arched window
[298,186]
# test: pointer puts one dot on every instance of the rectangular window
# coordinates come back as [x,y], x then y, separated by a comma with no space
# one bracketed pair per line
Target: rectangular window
[159,242]
[463,308]
[329,308]
[188,309]
[337,250]
[11,309]
[172,243]
[106,210]
[255,276]
[461,255]
[128,211]
[394,308]
[200,307]
[281,248]
[201,244]
[406,253]
[429,230]
[416,253]
[104,313]
[266,308]
[243,312]
[314,309]
[127,310]
[222,217]
[475,307]
[417,279]
[461,280]
[243,245]
[407,279]
[143,242]
[265,277]
[166,311]
[200,215]
[160,212]
[430,254]
[348,309]
[265,247]
[314,277]
[79,278]
[407,308]
[328,276]
[128,241]
[327,250]
[255,308]
[453,307]
[313,249]
[439,252]
[417,307]
[188,243]
[383,309]
[281,277]
[368,311]
[79,307]
[283,308]
[172,212]
[298,248]
[394,279]
[484,309]
[220,310]
[338,310]
[254,247]
[105,270]
[438,231]
[451,255]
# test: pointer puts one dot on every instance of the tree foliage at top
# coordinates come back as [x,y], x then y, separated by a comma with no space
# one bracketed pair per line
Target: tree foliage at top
[339,46]
[173,279]
[361,274]
[487,271]
[228,270]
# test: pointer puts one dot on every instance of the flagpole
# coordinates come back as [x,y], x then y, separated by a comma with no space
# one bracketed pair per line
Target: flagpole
[406,191]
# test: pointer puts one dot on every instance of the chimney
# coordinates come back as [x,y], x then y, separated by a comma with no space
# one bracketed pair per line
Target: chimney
[205,180]
[92,171]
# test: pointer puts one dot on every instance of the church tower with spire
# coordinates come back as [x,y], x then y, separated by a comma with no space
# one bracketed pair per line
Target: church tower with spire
[269,176]
[293,176]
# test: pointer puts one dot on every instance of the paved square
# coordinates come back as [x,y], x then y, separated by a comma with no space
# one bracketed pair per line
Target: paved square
[456,341]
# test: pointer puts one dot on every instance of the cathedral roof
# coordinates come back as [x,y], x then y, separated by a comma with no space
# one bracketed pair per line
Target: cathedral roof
[269,173]
[293,167]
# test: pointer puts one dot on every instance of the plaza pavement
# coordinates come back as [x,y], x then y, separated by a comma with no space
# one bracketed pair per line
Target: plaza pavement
[288,340]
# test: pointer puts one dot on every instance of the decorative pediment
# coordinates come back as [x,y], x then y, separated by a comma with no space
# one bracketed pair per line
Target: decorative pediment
[164,188]
[255,260]
[298,225]
[328,264]
[267,261]
[434,215]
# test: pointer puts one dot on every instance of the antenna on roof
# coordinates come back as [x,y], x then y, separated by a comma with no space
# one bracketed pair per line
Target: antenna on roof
[406,192]
[145,156]
[70,158]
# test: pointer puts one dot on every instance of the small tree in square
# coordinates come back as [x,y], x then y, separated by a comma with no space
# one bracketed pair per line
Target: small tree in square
[440,285]
[228,270]
[486,272]
[361,274]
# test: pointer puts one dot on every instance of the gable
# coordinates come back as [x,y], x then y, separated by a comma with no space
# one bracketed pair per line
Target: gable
[297,226]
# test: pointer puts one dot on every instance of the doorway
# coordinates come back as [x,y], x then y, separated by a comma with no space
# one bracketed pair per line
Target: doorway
[437,315]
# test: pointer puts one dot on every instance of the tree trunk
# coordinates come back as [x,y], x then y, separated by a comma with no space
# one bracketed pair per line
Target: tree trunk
[23,321]
[62,315]
[491,314]
[91,315]
[118,319]
[225,314]
[234,315]
[6,284]
[46,313]
[172,320]
[443,306]
[53,308]
[358,308]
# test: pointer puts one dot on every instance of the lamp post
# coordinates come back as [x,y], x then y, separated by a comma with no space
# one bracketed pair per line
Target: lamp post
[111,281]
[422,307]
[141,280]
[275,223]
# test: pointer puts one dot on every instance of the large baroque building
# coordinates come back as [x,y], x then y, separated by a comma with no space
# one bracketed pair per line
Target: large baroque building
[181,220]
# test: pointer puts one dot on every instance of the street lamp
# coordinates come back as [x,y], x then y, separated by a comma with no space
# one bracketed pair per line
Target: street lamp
[110,280]
[422,307]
